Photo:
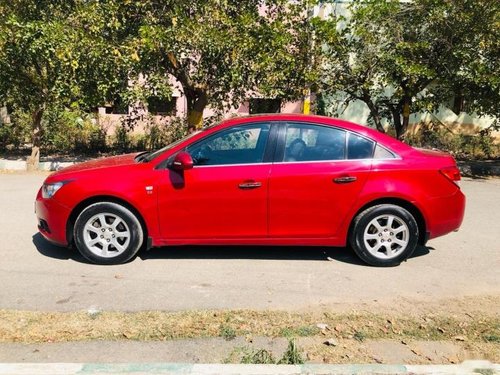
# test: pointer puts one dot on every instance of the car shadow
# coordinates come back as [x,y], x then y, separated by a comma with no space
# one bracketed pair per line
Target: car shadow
[339,254]
[309,253]
[50,250]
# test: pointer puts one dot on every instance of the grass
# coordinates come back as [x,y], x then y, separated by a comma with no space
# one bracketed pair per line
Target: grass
[227,333]
[246,355]
[37,327]
[359,336]
[292,355]
[492,338]
[302,331]
[257,356]
[484,371]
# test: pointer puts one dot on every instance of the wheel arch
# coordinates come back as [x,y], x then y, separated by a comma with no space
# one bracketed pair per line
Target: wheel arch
[97,199]
[410,207]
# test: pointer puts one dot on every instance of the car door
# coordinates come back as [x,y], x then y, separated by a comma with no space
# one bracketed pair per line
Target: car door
[224,195]
[315,179]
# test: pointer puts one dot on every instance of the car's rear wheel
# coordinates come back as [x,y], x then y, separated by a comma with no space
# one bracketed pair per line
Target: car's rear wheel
[384,235]
[108,233]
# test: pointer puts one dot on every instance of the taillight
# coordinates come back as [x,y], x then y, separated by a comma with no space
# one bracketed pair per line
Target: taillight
[452,174]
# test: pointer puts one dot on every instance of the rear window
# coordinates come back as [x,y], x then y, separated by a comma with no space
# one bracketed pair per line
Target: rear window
[359,147]
[382,153]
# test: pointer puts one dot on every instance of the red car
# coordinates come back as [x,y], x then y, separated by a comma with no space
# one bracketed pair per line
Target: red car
[262,180]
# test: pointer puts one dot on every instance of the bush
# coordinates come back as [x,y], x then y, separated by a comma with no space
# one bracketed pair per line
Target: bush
[75,132]
[292,355]
[15,134]
[72,132]
[462,146]
[159,133]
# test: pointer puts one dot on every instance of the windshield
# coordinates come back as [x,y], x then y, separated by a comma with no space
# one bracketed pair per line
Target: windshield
[154,154]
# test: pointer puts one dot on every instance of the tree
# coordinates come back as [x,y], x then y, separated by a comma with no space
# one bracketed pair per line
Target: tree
[50,58]
[222,51]
[403,57]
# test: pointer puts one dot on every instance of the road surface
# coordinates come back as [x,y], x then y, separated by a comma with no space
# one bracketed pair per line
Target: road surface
[35,275]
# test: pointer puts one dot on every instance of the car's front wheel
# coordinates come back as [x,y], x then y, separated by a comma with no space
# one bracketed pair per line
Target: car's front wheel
[384,235]
[108,233]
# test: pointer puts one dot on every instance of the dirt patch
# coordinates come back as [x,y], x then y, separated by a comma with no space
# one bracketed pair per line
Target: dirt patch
[436,332]
[462,324]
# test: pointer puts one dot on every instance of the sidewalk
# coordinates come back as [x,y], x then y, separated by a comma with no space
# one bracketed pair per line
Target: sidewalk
[466,368]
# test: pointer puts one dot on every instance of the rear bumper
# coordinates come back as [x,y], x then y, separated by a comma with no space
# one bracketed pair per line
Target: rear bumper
[446,214]
[51,219]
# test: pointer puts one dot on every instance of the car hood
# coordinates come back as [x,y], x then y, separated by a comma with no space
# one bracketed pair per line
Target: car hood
[114,161]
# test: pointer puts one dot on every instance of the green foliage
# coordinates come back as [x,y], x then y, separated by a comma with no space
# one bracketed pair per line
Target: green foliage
[257,356]
[417,55]
[359,336]
[51,58]
[72,132]
[292,355]
[492,338]
[302,331]
[227,333]
[159,133]
[484,371]
[15,133]
[220,52]
[481,145]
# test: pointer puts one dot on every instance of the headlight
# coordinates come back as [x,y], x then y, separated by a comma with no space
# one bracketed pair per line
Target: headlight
[48,190]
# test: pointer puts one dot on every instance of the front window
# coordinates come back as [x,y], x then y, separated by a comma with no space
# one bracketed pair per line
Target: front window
[237,145]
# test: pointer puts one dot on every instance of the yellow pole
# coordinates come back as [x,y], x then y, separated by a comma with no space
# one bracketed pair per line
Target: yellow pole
[306,108]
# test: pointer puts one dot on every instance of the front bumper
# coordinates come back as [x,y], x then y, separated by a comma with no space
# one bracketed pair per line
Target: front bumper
[51,219]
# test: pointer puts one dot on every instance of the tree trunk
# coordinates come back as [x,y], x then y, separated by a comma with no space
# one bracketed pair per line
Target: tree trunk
[406,116]
[377,119]
[196,103]
[396,115]
[375,116]
[36,140]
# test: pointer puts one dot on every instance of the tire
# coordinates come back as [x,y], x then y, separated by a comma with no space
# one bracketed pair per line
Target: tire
[108,233]
[384,235]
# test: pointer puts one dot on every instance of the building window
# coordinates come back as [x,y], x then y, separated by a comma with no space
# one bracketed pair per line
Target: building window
[160,106]
[265,106]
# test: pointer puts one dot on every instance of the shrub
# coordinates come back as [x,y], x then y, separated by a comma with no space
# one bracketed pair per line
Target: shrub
[15,134]
[72,132]
[292,355]
[463,146]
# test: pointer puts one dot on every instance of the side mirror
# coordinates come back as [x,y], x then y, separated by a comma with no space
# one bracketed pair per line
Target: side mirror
[182,161]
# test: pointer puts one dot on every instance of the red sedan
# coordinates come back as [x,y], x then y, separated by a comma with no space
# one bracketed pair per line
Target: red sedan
[264,180]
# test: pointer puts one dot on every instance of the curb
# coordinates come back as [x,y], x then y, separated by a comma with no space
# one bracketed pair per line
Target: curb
[20,165]
[465,368]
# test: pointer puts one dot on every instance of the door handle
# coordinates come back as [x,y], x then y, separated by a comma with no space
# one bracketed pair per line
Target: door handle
[250,185]
[344,179]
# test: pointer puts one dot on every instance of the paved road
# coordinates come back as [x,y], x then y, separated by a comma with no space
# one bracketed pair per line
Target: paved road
[35,275]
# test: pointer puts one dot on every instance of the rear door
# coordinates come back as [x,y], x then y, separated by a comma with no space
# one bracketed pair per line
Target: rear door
[315,179]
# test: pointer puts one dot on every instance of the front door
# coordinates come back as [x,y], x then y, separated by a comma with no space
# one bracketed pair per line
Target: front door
[225,194]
